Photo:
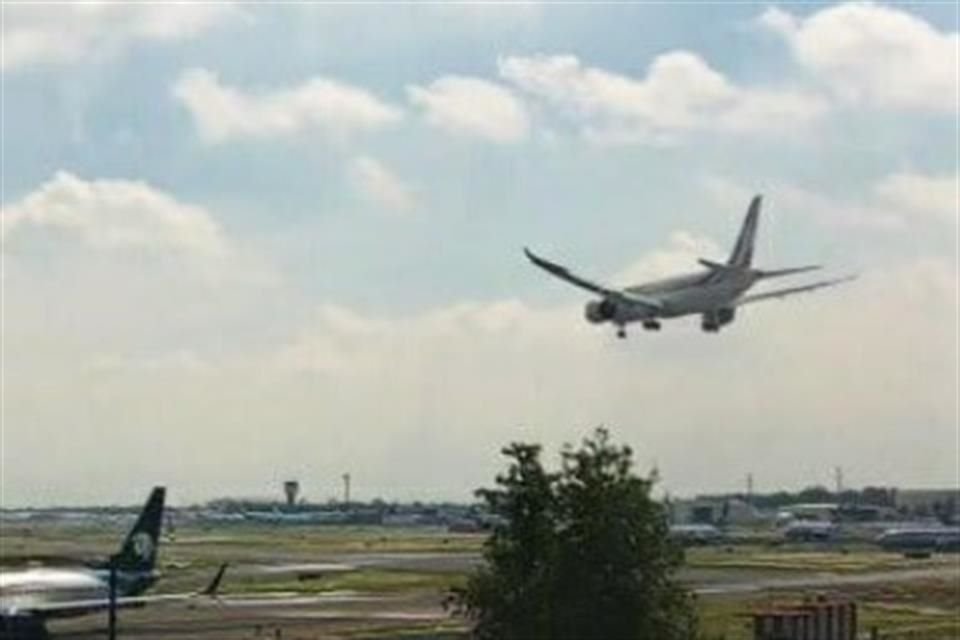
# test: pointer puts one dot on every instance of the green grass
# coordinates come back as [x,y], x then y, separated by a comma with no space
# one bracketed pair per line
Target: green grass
[921,610]
[752,558]
[916,610]
[452,630]
[330,539]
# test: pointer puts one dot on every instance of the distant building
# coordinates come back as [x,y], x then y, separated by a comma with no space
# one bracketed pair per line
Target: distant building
[291,489]
[941,503]
[695,534]
[822,511]
[714,511]
[866,513]
[810,531]
[938,538]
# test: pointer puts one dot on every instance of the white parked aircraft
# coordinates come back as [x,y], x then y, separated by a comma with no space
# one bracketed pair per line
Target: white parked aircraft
[714,293]
[29,597]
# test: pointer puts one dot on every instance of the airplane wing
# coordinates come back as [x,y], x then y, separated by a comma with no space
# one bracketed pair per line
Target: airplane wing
[782,293]
[565,274]
[58,608]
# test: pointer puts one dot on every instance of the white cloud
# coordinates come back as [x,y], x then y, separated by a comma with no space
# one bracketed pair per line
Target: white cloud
[873,55]
[680,94]
[379,185]
[935,196]
[679,256]
[180,361]
[472,107]
[834,212]
[116,215]
[73,32]
[223,113]
[418,403]
[894,201]
[455,382]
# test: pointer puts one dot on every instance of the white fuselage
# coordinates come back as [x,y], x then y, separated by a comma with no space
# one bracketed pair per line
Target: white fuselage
[701,292]
[25,590]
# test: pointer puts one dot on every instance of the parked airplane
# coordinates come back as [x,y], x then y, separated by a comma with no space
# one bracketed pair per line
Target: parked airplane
[29,597]
[695,534]
[935,538]
[715,294]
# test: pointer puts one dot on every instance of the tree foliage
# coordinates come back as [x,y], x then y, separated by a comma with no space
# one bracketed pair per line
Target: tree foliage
[579,554]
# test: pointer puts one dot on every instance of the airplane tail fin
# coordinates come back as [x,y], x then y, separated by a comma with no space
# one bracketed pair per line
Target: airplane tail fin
[139,550]
[742,255]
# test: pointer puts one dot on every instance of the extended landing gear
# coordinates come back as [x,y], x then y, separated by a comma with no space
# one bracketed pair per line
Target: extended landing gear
[649,325]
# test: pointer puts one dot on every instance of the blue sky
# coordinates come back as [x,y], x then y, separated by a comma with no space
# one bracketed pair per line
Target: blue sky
[225,222]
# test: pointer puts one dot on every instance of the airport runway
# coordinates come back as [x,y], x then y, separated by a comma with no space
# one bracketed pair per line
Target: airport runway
[339,614]
[706,581]
[426,562]
[264,616]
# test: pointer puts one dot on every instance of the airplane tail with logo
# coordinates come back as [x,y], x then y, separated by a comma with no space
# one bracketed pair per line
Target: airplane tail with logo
[742,255]
[139,550]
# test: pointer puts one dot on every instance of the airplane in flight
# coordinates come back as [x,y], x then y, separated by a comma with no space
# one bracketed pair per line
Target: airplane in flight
[28,598]
[715,293]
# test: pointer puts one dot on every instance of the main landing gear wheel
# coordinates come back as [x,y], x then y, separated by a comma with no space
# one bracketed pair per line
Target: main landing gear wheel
[651,325]
[621,332]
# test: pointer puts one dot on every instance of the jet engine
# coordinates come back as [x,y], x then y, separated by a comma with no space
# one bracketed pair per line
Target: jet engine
[600,310]
[713,320]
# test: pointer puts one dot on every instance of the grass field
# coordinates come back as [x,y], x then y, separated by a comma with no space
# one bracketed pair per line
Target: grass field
[922,609]
[792,560]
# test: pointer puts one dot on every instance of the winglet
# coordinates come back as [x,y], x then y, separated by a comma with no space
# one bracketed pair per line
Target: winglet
[214,586]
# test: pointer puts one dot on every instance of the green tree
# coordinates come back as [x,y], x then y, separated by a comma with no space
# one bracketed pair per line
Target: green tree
[580,554]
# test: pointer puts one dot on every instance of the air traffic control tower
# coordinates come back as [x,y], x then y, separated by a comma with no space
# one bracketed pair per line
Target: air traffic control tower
[291,489]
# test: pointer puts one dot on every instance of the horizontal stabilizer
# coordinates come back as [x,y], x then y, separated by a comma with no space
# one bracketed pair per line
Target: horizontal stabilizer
[719,266]
[776,273]
[783,293]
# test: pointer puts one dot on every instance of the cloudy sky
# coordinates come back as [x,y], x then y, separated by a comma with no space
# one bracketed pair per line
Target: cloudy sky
[243,243]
